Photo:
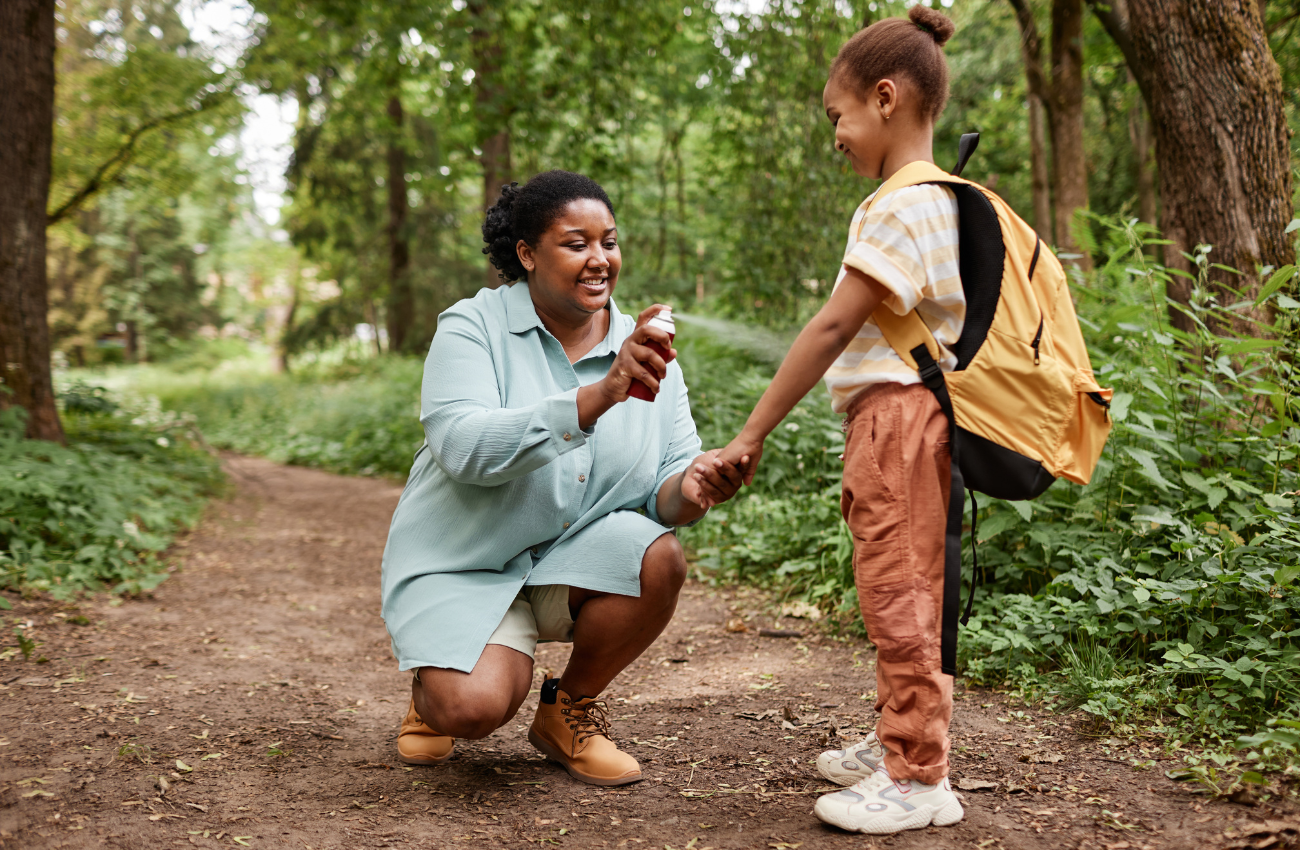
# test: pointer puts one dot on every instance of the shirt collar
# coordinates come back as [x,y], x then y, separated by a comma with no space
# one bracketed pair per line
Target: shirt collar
[522,316]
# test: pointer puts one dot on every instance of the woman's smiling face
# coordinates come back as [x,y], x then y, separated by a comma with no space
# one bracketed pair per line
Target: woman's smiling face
[574,266]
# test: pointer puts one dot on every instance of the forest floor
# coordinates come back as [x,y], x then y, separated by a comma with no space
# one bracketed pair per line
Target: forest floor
[258,684]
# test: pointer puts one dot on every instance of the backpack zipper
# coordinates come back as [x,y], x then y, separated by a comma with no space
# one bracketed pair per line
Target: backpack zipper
[1033,264]
[1105,405]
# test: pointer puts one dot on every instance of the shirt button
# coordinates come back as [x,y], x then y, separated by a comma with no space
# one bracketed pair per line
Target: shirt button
[567,436]
[566,525]
[581,479]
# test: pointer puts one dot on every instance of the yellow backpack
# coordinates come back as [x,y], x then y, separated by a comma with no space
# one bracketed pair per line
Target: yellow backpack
[1024,405]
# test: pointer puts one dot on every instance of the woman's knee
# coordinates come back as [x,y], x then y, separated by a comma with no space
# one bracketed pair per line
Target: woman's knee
[465,712]
[475,705]
[663,567]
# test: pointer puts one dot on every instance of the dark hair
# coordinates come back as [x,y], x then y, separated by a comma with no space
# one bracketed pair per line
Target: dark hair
[894,47]
[525,213]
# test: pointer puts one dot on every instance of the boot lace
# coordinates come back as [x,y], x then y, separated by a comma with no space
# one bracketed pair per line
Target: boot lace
[588,720]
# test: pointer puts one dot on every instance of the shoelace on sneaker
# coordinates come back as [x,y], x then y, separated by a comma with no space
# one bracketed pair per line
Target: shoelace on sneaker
[877,781]
[591,719]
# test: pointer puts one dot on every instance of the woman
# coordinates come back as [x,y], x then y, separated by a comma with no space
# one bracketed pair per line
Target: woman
[539,507]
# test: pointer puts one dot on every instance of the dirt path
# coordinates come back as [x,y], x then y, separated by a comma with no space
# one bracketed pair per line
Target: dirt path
[258,683]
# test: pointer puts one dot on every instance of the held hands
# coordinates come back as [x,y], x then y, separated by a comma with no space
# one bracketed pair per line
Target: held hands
[710,480]
[636,361]
[744,452]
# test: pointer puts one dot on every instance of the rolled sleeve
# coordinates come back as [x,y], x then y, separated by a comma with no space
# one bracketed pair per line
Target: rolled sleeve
[904,293]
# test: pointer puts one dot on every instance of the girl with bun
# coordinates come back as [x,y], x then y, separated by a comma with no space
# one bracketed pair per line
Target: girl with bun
[542,504]
[887,87]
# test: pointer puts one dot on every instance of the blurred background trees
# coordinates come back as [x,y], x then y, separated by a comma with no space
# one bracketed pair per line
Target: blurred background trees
[702,119]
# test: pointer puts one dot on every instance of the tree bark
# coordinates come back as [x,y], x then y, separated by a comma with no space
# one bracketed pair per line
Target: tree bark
[1139,130]
[1037,98]
[26,138]
[1040,182]
[401,300]
[1222,154]
[1069,161]
[491,111]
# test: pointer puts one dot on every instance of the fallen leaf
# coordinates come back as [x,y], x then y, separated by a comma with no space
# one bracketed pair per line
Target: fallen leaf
[1041,757]
[38,793]
[183,767]
[802,610]
[735,625]
[975,785]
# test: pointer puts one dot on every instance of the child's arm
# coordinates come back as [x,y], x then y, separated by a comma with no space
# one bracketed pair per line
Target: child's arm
[814,350]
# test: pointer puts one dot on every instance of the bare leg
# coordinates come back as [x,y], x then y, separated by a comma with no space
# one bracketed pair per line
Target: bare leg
[475,704]
[611,631]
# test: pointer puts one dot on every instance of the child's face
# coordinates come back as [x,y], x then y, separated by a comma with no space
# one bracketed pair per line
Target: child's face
[861,132]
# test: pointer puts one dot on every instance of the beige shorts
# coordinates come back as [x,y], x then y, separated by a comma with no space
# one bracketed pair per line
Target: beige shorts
[538,613]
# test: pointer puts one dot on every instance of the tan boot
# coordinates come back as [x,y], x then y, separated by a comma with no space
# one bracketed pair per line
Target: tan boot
[418,744]
[576,734]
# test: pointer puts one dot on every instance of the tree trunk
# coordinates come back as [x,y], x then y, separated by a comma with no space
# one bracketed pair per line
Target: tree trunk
[1031,51]
[1069,162]
[282,353]
[1222,154]
[26,138]
[1139,131]
[491,111]
[401,300]
[1040,182]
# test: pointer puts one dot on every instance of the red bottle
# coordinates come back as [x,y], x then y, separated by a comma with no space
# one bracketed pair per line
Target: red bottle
[663,321]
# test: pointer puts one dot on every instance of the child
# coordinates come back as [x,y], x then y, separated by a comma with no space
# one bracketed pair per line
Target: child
[886,88]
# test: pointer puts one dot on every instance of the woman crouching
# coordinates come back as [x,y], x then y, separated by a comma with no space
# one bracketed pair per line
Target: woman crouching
[541,504]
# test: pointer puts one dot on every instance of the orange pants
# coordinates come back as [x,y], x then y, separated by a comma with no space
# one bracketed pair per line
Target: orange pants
[897,479]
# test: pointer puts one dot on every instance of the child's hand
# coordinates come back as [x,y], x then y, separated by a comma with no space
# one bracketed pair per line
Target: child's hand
[710,481]
[743,452]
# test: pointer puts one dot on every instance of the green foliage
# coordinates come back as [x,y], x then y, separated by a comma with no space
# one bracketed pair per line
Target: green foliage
[353,416]
[98,513]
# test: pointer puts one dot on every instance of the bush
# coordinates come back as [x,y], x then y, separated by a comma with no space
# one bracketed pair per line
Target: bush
[98,512]
[359,417]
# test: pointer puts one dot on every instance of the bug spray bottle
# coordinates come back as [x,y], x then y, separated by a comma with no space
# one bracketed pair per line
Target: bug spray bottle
[663,321]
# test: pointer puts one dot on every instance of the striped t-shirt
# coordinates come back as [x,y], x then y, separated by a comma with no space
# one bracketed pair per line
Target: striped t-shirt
[907,242]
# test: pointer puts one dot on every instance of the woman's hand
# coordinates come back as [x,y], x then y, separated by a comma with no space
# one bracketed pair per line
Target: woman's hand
[689,494]
[710,480]
[744,452]
[637,361]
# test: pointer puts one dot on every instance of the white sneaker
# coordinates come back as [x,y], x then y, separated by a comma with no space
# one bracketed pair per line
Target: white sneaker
[880,806]
[854,763]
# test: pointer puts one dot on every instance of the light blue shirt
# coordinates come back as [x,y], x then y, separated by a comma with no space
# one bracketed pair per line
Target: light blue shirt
[508,490]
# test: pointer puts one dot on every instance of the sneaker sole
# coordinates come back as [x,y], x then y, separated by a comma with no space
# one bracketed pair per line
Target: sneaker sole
[543,747]
[950,814]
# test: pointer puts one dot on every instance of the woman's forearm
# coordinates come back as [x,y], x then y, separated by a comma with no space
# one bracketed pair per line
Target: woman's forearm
[673,507]
[593,403]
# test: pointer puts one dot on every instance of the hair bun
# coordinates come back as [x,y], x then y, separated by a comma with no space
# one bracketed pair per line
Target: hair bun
[936,23]
[498,233]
